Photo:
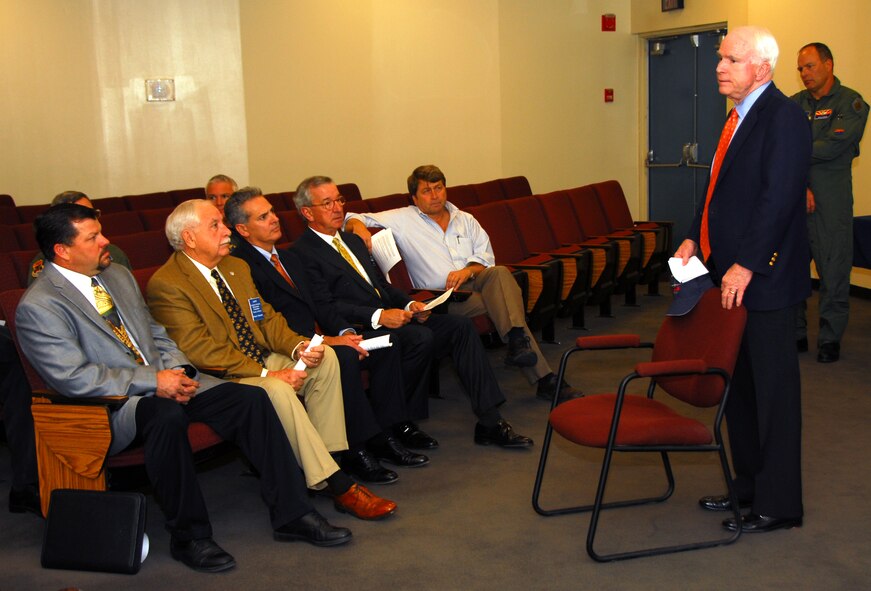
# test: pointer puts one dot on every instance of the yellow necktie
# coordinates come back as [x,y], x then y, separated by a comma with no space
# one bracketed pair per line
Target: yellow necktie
[347,256]
[106,309]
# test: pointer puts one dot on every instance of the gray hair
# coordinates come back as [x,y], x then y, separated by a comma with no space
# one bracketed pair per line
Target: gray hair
[762,43]
[234,211]
[182,218]
[68,197]
[221,178]
[303,196]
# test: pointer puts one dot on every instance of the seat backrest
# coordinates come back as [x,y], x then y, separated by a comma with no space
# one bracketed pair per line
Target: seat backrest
[142,276]
[708,332]
[614,205]
[8,275]
[8,239]
[9,215]
[21,259]
[589,211]
[489,191]
[292,224]
[392,201]
[179,195]
[277,201]
[361,206]
[463,196]
[110,204]
[28,213]
[154,219]
[350,191]
[561,217]
[144,249]
[148,201]
[528,216]
[120,223]
[9,303]
[515,186]
[7,200]
[26,236]
[504,235]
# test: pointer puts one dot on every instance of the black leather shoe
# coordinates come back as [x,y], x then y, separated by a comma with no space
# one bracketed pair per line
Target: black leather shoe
[25,500]
[801,345]
[362,465]
[520,353]
[502,434]
[314,529]
[754,524]
[393,452]
[547,385]
[202,555]
[829,352]
[412,437]
[721,503]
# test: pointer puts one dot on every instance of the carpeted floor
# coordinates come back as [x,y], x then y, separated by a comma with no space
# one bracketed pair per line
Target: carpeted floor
[466,522]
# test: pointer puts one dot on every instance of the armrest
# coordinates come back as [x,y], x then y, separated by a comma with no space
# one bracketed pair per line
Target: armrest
[46,396]
[218,372]
[612,341]
[651,369]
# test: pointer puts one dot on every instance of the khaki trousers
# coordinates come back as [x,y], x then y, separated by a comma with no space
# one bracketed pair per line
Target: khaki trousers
[496,294]
[314,426]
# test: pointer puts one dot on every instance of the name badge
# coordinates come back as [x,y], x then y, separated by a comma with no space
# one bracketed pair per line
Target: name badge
[256,308]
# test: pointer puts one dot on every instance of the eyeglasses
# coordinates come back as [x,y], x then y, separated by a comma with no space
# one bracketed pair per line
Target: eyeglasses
[329,203]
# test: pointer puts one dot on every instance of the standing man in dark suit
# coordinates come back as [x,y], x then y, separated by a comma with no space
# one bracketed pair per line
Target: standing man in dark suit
[752,234]
[85,328]
[346,282]
[281,280]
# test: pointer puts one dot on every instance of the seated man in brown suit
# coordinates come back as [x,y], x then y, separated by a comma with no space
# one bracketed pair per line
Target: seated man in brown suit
[210,307]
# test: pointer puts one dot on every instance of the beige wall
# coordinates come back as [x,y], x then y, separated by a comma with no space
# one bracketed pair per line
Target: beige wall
[73,97]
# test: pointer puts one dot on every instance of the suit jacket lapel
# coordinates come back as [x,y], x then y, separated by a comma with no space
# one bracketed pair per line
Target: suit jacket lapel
[69,292]
[202,287]
[744,130]
[335,259]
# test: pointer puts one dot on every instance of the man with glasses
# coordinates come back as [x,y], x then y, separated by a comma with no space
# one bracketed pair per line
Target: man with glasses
[348,288]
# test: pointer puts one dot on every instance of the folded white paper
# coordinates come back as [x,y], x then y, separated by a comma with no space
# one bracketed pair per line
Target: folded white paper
[683,273]
[439,300]
[384,251]
[376,343]
[316,340]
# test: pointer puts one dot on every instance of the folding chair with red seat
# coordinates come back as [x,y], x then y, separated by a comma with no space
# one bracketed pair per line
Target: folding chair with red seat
[592,219]
[515,186]
[567,231]
[536,234]
[463,196]
[544,273]
[657,235]
[73,434]
[489,191]
[692,362]
[121,223]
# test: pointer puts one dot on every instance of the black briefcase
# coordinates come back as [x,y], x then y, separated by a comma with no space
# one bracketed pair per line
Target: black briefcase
[94,530]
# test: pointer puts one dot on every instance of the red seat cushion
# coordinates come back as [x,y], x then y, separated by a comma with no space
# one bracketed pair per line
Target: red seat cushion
[200,435]
[587,421]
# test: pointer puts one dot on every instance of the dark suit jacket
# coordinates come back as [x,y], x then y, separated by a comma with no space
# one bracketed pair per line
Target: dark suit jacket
[296,305]
[757,215]
[330,274]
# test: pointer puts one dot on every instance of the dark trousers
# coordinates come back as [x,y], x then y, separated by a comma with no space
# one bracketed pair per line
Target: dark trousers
[763,415]
[415,343]
[238,413]
[15,398]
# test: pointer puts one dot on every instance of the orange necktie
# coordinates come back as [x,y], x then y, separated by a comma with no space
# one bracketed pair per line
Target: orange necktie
[722,146]
[280,268]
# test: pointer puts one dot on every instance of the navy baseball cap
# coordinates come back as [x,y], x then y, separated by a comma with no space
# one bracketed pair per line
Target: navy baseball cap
[688,294]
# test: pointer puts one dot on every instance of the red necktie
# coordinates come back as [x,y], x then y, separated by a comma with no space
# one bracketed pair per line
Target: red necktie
[722,146]
[278,267]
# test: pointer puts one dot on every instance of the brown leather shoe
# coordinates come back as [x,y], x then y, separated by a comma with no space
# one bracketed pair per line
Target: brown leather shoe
[361,503]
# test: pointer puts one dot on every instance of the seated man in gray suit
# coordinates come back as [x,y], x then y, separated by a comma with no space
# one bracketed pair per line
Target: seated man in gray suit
[85,328]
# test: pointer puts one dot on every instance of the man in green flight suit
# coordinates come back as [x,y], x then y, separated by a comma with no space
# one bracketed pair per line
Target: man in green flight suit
[837,117]
[79,198]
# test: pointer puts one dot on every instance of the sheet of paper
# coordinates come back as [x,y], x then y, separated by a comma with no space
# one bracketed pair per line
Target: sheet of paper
[442,298]
[376,343]
[316,340]
[683,273]
[384,251]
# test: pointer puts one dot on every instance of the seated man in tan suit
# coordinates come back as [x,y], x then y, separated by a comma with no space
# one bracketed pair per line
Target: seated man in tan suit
[209,305]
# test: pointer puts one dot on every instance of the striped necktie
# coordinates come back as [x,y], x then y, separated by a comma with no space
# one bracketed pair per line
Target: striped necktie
[280,268]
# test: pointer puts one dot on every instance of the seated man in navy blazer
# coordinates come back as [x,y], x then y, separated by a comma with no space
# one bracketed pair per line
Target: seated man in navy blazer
[281,280]
[346,284]
[85,328]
